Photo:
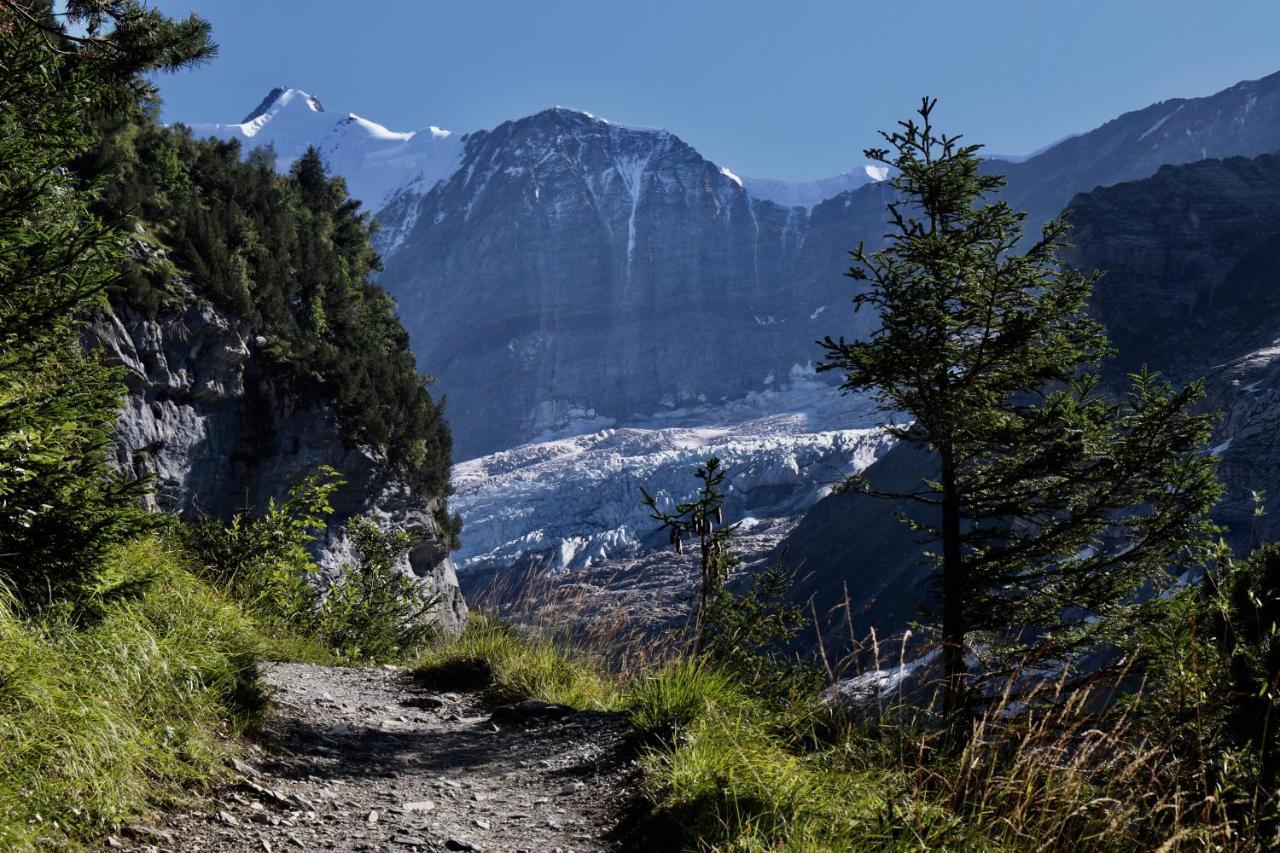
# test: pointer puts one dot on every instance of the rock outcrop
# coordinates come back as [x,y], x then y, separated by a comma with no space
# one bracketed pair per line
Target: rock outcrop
[218,434]
[1192,257]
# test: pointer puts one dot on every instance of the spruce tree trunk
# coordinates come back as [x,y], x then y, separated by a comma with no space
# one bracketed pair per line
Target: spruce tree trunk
[953,587]
[700,626]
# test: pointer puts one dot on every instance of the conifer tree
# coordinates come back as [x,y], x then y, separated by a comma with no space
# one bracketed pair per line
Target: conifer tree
[702,517]
[1055,503]
[59,71]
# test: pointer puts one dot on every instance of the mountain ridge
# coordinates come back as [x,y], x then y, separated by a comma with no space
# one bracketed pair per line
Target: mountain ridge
[805,192]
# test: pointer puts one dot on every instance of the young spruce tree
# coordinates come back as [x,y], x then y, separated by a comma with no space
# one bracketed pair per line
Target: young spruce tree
[702,517]
[1054,503]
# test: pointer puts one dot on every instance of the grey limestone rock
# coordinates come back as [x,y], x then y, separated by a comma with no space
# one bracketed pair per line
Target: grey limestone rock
[217,436]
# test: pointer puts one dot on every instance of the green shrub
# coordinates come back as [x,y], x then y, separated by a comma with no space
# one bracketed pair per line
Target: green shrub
[263,562]
[373,612]
[370,613]
[1245,625]
[1213,693]
[100,722]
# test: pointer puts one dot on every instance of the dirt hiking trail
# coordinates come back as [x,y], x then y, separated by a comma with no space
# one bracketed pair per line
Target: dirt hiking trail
[367,759]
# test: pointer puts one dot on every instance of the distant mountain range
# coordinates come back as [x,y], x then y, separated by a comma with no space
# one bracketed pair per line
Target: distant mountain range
[566,276]
[378,163]
[560,272]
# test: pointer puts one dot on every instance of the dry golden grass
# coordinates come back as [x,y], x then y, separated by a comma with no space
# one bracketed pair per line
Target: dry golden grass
[1049,768]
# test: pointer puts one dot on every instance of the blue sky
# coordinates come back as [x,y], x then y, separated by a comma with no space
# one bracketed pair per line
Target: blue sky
[789,90]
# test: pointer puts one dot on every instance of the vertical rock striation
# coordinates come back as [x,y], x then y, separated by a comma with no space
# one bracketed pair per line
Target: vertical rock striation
[574,269]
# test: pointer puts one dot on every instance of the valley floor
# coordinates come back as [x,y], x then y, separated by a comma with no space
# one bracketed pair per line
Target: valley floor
[366,759]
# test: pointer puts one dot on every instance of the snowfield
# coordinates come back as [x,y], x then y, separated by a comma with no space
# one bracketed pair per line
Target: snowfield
[573,502]
[374,161]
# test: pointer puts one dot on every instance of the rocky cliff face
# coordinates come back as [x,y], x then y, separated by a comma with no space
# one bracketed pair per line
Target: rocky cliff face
[1192,288]
[218,437]
[576,270]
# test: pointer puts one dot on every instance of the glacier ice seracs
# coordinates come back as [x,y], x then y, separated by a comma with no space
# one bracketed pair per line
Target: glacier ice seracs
[574,501]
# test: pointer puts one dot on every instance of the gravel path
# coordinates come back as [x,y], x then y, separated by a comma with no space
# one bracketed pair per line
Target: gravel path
[365,759]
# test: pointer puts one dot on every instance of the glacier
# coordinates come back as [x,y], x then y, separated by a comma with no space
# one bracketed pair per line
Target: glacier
[574,502]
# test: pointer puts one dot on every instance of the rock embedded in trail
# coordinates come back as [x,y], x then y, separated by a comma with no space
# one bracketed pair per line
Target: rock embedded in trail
[531,709]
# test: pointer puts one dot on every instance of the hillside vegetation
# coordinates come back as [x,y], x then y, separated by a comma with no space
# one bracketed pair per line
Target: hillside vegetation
[290,253]
[130,641]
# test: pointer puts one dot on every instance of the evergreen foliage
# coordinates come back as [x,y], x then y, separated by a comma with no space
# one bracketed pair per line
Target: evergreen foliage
[1056,502]
[1244,626]
[1213,688]
[700,517]
[292,254]
[749,630]
[61,511]
[741,632]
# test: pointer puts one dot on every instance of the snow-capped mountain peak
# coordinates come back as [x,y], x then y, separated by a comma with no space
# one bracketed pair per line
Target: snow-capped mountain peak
[279,99]
[380,164]
[806,194]
[374,160]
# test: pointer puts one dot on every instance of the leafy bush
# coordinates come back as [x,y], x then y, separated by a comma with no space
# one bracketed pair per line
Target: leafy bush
[263,562]
[1244,623]
[1212,693]
[373,612]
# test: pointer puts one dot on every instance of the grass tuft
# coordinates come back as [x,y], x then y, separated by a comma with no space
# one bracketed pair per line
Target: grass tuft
[101,721]
[669,700]
[512,668]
